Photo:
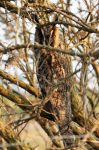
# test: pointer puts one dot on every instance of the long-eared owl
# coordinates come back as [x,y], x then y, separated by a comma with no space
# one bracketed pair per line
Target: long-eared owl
[52,67]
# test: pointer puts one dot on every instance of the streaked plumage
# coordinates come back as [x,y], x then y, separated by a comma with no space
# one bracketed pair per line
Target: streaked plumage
[53,67]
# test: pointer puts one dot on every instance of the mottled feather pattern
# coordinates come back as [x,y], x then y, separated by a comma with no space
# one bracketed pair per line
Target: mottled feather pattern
[54,67]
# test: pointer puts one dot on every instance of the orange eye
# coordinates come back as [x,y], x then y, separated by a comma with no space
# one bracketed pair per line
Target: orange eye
[53,36]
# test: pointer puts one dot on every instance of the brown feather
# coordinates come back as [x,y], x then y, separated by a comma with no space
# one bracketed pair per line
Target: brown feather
[54,67]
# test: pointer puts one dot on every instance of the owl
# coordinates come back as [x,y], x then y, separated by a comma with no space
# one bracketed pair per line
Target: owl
[52,67]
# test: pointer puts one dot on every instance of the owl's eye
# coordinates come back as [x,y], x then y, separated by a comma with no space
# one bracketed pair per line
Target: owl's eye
[53,36]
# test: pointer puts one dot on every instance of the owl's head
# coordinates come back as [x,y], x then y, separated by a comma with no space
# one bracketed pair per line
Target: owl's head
[47,35]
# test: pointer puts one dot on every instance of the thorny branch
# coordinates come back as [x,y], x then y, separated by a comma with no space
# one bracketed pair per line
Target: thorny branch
[39,46]
[78,30]
[23,12]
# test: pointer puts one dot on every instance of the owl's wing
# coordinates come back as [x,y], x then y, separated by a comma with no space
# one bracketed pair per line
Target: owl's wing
[53,68]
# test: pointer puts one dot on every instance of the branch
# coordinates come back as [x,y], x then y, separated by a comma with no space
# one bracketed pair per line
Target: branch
[16,9]
[92,140]
[39,46]
[10,137]
[20,83]
[50,128]
[21,101]
[8,0]
[83,24]
[27,14]
[88,29]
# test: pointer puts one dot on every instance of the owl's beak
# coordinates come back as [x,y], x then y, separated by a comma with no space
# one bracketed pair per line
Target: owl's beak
[47,41]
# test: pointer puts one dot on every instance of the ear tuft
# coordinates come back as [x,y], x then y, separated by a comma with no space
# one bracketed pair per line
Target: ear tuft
[36,18]
[55,17]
